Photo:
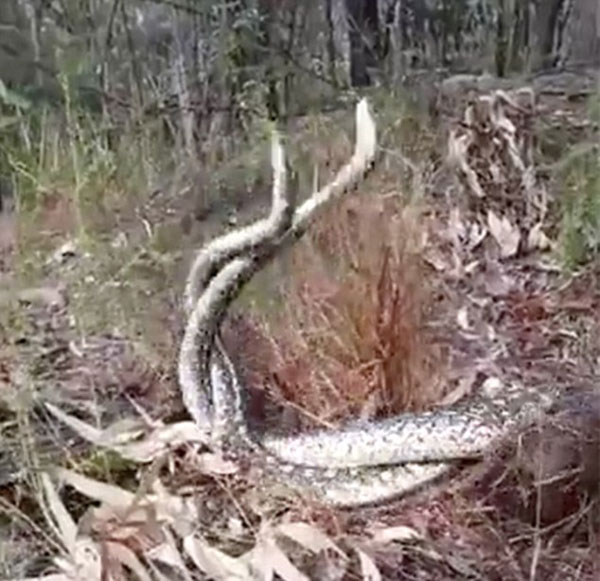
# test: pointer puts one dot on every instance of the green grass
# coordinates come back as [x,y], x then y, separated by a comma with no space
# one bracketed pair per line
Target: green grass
[579,179]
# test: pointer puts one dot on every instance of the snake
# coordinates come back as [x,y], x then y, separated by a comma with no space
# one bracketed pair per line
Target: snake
[362,462]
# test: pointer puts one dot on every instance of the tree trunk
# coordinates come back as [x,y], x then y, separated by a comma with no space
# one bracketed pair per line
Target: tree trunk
[269,41]
[363,31]
[501,38]
[582,34]
[394,40]
[35,13]
[545,51]
[181,87]
[519,36]
[331,56]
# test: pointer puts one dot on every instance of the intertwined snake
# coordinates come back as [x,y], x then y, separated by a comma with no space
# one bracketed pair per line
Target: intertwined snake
[360,463]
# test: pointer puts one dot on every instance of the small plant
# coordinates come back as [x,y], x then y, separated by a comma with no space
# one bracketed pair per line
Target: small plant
[580,201]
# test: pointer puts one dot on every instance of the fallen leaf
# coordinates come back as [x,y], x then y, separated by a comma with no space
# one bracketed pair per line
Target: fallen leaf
[258,564]
[86,431]
[464,387]
[127,557]
[462,318]
[456,227]
[492,386]
[67,528]
[216,564]
[181,512]
[537,239]
[506,235]
[496,283]
[369,570]
[281,564]
[168,554]
[66,251]
[471,266]
[308,537]
[435,259]
[476,235]
[209,463]
[112,495]
[124,436]
[399,533]
[85,563]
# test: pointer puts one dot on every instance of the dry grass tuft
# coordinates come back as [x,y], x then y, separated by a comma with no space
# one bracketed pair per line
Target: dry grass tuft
[352,338]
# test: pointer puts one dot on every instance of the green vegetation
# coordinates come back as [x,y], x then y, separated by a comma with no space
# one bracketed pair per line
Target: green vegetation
[579,179]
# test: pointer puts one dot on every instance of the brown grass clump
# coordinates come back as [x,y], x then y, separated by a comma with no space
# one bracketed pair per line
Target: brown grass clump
[351,338]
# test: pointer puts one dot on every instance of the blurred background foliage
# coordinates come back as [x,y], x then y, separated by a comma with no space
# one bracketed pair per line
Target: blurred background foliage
[101,97]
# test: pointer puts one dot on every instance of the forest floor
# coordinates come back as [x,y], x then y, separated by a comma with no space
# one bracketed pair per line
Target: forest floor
[90,323]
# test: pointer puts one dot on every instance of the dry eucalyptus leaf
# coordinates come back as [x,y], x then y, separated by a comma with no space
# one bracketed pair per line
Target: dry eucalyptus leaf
[435,259]
[124,436]
[67,529]
[112,495]
[497,283]
[309,537]
[471,266]
[506,235]
[280,563]
[492,386]
[65,252]
[209,463]
[215,563]
[85,563]
[161,440]
[464,387]
[86,431]
[127,557]
[456,226]
[399,533]
[462,319]
[476,235]
[537,239]
[258,564]
[368,569]
[168,554]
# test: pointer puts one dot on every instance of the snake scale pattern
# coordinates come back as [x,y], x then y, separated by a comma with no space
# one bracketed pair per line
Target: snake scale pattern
[361,463]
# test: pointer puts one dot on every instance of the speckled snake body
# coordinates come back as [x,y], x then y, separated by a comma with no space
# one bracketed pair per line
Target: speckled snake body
[362,462]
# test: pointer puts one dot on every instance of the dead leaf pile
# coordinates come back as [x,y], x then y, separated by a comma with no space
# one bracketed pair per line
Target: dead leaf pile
[154,535]
[491,154]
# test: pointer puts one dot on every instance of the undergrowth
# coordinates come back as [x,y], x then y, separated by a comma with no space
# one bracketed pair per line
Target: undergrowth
[580,200]
[351,338]
[577,176]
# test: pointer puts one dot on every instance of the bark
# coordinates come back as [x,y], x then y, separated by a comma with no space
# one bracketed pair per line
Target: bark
[582,34]
[501,38]
[269,42]
[181,86]
[544,49]
[363,24]
[519,35]
[331,53]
